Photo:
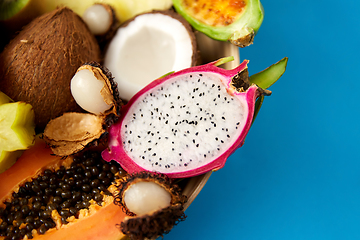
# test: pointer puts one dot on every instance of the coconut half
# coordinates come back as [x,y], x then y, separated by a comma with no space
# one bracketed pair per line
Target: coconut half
[147,47]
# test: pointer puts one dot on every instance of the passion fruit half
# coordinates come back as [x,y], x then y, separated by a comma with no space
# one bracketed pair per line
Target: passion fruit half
[224,20]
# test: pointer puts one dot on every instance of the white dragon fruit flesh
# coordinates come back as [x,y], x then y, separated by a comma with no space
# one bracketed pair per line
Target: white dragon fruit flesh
[185,124]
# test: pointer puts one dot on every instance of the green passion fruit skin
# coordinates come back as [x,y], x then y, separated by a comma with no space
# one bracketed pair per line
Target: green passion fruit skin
[230,20]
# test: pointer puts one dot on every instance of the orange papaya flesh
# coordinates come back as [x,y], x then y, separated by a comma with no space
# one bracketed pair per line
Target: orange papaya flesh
[100,225]
[32,162]
[98,220]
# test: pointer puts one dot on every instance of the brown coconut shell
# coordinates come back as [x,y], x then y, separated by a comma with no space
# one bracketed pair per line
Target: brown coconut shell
[195,60]
[196,53]
[37,65]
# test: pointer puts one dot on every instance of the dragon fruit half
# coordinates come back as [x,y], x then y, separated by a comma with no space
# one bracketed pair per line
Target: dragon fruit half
[186,123]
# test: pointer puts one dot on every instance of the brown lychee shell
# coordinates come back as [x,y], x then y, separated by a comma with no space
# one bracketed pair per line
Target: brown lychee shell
[154,224]
[167,183]
[73,132]
[38,64]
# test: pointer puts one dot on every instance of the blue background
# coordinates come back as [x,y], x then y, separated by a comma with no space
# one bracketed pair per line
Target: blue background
[298,174]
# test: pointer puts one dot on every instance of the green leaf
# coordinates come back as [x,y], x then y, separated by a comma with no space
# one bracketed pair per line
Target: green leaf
[223,61]
[266,78]
[270,75]
[258,104]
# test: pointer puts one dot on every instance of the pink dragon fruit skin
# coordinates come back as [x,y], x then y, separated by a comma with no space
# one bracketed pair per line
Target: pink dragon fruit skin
[184,163]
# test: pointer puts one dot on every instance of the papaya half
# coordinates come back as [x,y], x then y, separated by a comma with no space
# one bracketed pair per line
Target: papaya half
[43,196]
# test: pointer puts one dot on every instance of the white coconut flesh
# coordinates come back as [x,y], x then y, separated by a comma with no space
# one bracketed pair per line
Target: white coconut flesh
[183,124]
[147,48]
[146,197]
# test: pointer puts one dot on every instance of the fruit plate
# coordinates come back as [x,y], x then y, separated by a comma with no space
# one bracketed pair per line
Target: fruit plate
[210,50]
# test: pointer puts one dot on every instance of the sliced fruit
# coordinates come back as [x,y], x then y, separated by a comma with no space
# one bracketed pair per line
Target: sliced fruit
[224,20]
[7,159]
[147,47]
[17,131]
[191,122]
[54,219]
[4,98]
[17,126]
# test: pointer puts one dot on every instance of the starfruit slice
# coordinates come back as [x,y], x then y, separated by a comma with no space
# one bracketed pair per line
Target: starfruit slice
[17,130]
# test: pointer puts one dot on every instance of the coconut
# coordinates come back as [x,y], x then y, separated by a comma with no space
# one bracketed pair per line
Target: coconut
[37,65]
[149,46]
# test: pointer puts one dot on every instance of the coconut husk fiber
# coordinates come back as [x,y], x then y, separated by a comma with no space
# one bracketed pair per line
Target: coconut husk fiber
[37,65]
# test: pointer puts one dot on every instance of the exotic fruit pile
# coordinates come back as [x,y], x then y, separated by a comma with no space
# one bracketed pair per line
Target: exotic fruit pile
[112,114]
